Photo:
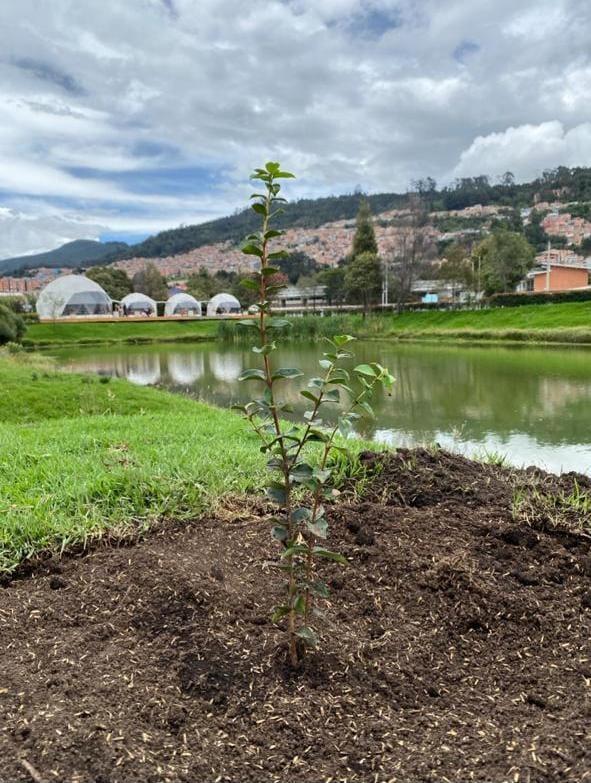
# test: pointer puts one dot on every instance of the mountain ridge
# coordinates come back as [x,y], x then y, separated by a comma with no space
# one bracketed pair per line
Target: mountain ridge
[79,252]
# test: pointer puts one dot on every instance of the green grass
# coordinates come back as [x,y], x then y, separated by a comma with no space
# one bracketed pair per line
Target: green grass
[568,323]
[49,334]
[80,459]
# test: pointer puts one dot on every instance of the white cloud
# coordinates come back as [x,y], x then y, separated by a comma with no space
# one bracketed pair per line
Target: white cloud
[527,150]
[121,88]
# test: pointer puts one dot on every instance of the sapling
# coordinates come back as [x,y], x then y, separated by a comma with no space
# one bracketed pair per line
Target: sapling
[299,526]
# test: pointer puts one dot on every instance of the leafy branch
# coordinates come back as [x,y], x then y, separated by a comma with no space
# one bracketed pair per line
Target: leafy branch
[298,527]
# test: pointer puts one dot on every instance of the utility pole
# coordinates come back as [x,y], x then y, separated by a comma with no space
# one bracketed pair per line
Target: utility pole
[385,285]
[548,267]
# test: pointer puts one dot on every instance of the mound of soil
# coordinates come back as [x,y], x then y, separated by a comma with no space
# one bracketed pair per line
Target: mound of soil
[457,646]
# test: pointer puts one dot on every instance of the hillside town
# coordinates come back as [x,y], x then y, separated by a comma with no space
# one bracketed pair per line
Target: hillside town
[555,268]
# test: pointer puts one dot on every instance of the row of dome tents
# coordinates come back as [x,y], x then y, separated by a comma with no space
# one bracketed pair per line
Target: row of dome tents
[77,295]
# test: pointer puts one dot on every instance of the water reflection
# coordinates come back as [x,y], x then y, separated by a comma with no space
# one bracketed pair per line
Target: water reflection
[185,369]
[532,404]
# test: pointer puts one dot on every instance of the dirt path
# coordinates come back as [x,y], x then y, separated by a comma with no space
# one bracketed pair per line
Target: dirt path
[457,648]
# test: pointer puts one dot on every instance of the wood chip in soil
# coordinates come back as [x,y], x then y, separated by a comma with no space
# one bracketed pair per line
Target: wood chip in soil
[456,647]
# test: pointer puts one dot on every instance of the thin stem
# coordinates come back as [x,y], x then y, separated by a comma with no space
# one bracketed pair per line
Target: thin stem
[292,588]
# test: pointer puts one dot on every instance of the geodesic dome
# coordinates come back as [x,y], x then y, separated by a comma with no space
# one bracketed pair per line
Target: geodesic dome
[182,304]
[73,295]
[221,304]
[138,303]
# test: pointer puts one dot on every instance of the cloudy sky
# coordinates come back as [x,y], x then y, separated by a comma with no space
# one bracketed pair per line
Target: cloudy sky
[122,118]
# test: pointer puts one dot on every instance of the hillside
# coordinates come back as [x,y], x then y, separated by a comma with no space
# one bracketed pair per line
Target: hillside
[72,254]
[568,184]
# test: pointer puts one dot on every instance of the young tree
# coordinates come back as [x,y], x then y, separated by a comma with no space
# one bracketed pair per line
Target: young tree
[364,240]
[457,269]
[150,282]
[115,282]
[203,286]
[334,282]
[506,258]
[413,249]
[297,264]
[300,524]
[363,280]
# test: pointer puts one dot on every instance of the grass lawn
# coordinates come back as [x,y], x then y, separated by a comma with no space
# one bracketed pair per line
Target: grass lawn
[51,334]
[79,457]
[569,322]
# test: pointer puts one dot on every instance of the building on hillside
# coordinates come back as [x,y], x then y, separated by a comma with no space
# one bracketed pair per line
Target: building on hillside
[557,270]
[563,224]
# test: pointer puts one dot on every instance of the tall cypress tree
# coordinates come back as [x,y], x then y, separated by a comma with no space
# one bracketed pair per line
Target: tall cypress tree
[364,240]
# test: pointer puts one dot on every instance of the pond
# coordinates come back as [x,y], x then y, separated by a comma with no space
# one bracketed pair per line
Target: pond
[531,405]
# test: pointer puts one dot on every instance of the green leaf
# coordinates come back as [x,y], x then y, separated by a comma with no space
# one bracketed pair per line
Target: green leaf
[308,636]
[252,250]
[279,612]
[249,322]
[318,551]
[326,364]
[287,372]
[309,396]
[300,514]
[299,605]
[319,528]
[365,406]
[275,463]
[252,375]
[301,472]
[272,233]
[366,370]
[277,323]
[332,395]
[276,493]
[269,271]
[279,532]
[339,374]
[342,339]
[277,255]
[260,208]
[296,549]
[322,474]
[319,588]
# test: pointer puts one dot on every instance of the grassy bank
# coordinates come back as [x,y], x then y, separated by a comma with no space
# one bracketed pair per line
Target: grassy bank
[563,323]
[79,458]
[48,334]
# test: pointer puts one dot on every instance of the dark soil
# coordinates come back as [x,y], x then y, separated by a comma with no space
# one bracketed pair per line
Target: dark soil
[457,647]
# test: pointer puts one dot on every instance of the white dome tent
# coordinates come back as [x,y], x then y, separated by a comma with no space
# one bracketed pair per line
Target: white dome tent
[182,304]
[73,295]
[136,304]
[223,304]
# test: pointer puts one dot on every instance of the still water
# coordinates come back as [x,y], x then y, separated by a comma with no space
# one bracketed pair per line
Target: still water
[532,405]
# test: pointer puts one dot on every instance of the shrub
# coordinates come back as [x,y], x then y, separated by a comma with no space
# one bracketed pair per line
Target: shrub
[298,526]
[12,326]
[539,297]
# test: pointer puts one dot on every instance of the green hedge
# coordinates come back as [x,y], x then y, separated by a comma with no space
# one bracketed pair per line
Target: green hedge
[515,300]
[12,326]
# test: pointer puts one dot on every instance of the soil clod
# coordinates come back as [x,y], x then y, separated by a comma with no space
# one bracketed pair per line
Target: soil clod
[457,646]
